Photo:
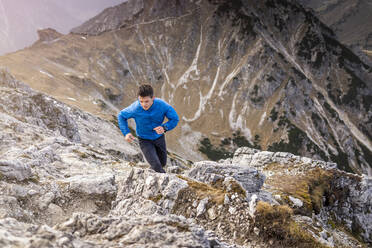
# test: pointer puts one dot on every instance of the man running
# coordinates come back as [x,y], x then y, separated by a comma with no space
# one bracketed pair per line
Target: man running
[148,113]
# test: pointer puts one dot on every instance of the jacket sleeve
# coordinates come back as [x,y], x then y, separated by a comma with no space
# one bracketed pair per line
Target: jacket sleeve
[123,117]
[172,116]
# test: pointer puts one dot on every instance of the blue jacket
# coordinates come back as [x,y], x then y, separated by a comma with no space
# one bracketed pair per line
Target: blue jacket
[147,120]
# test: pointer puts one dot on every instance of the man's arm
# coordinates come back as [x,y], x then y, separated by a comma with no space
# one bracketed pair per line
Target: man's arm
[173,119]
[123,117]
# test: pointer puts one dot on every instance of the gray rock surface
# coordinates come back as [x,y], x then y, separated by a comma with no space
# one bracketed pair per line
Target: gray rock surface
[15,170]
[211,172]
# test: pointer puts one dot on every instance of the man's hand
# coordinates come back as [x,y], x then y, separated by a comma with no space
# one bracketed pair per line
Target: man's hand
[159,130]
[129,137]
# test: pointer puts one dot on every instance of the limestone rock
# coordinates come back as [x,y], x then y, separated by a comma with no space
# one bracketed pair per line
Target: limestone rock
[210,172]
[15,170]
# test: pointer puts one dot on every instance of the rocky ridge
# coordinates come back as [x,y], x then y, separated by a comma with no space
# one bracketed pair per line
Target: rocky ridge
[68,179]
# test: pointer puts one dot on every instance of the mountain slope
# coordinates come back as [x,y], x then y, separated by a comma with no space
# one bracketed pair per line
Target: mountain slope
[350,20]
[260,73]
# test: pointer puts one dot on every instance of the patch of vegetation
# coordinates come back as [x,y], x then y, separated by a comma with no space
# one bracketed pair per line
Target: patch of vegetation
[283,120]
[333,112]
[34,179]
[341,160]
[311,188]
[180,227]
[101,104]
[254,95]
[335,98]
[315,117]
[275,223]
[256,141]
[364,130]
[215,192]
[298,73]
[227,146]
[212,152]
[80,153]
[292,112]
[274,114]
[295,136]
[345,55]
[296,139]
[307,44]
[111,96]
[311,146]
[233,10]
[239,140]
[271,79]
[352,95]
[156,198]
[367,101]
[320,96]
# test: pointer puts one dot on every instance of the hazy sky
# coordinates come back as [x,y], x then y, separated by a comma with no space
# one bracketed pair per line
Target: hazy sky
[20,19]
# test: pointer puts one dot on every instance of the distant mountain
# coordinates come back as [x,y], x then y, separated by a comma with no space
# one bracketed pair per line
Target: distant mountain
[19,20]
[265,74]
[350,19]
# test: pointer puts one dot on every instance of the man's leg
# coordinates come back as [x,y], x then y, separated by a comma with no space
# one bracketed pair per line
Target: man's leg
[161,150]
[149,151]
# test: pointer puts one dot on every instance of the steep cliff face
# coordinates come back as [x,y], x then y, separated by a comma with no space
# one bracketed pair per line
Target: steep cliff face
[66,180]
[266,74]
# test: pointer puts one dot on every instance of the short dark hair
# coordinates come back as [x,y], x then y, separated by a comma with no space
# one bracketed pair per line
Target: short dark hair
[145,90]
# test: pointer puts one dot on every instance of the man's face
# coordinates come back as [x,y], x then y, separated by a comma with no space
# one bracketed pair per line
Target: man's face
[146,101]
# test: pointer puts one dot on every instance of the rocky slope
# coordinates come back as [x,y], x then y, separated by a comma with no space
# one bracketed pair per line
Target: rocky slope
[349,19]
[64,182]
[265,74]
